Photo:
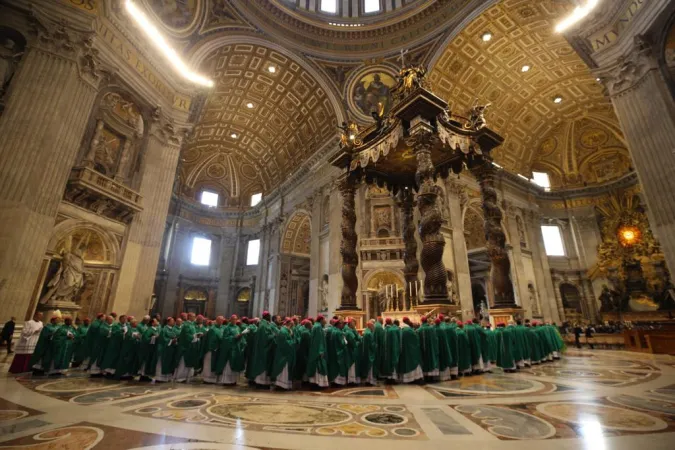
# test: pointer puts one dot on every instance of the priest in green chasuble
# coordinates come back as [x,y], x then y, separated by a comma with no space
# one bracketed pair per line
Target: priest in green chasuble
[147,355]
[317,370]
[100,345]
[188,350]
[92,338]
[80,350]
[43,346]
[352,350]
[410,367]
[57,360]
[211,348]
[118,331]
[392,349]
[369,354]
[262,352]
[303,342]
[453,344]
[429,341]
[445,361]
[379,341]
[127,364]
[463,350]
[167,345]
[284,357]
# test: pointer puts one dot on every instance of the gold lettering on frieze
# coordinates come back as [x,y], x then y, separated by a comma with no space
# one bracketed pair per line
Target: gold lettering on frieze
[91,6]
[181,102]
[607,37]
[122,47]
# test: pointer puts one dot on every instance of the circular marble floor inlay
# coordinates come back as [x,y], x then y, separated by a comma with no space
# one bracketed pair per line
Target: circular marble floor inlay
[188,404]
[384,418]
[608,417]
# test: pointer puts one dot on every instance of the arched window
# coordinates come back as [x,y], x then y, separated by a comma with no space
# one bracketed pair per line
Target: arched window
[371,6]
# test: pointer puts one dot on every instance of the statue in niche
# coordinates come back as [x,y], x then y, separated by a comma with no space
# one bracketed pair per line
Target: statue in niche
[69,279]
[9,60]
[323,293]
[450,285]
[533,298]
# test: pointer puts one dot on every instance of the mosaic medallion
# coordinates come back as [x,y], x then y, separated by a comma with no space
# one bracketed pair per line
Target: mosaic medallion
[508,423]
[608,417]
[643,403]
[12,414]
[279,414]
[384,418]
[490,384]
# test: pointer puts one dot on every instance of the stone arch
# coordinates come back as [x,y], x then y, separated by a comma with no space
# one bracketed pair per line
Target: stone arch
[374,275]
[109,252]
[297,235]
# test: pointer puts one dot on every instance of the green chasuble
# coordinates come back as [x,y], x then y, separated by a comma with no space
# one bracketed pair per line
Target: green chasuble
[520,333]
[114,346]
[238,351]
[474,344]
[212,343]
[545,342]
[336,347]
[80,350]
[147,355]
[368,355]
[316,359]
[201,345]
[225,345]
[392,351]
[352,349]
[42,348]
[100,344]
[166,350]
[463,351]
[429,347]
[484,344]
[91,339]
[492,344]
[556,340]
[410,351]
[284,353]
[505,345]
[303,341]
[379,355]
[445,359]
[189,348]
[453,343]
[263,345]
[127,364]
[249,340]
[60,349]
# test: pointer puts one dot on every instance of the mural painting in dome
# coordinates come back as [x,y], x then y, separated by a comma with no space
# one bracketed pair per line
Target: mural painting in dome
[370,90]
[176,14]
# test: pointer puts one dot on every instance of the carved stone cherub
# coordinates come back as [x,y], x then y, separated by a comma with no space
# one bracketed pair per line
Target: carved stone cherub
[477,116]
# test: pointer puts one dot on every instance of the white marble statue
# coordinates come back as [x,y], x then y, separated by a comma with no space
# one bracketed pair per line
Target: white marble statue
[69,279]
[323,294]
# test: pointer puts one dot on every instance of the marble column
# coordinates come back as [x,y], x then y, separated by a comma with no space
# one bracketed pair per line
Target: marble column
[314,255]
[407,205]
[457,194]
[500,273]
[433,243]
[49,102]
[646,111]
[350,258]
[225,297]
[143,245]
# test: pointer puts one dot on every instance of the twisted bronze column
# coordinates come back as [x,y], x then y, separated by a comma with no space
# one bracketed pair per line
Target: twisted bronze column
[495,237]
[433,243]
[407,203]
[350,259]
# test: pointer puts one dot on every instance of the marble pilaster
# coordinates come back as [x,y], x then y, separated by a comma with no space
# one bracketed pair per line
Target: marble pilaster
[646,111]
[48,105]
[143,245]
[519,276]
[314,255]
[542,271]
[225,296]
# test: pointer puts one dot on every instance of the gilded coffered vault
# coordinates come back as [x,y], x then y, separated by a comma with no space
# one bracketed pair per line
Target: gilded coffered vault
[265,115]
[522,107]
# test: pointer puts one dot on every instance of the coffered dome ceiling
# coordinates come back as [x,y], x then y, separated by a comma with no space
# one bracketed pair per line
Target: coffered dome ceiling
[523,110]
[256,126]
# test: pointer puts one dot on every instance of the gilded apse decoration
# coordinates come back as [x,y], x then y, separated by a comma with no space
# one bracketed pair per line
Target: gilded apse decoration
[522,109]
[370,91]
[630,257]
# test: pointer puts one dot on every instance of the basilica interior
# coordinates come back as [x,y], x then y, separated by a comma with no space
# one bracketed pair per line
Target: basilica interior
[490,159]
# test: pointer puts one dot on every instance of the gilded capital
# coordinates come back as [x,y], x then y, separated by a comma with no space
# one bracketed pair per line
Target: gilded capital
[630,69]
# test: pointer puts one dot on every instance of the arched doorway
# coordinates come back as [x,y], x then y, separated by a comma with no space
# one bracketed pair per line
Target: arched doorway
[479,298]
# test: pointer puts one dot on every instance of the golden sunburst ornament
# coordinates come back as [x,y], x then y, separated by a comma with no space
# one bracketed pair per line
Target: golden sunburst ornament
[629,235]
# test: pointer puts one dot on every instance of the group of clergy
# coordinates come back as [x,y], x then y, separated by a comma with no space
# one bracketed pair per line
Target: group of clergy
[279,352]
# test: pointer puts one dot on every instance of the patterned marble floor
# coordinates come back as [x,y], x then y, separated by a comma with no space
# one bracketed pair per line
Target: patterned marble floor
[598,400]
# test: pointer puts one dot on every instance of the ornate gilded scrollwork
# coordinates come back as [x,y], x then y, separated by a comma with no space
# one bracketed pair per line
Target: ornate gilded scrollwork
[350,134]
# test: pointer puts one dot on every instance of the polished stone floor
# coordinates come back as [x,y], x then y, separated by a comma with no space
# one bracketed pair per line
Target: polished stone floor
[595,400]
